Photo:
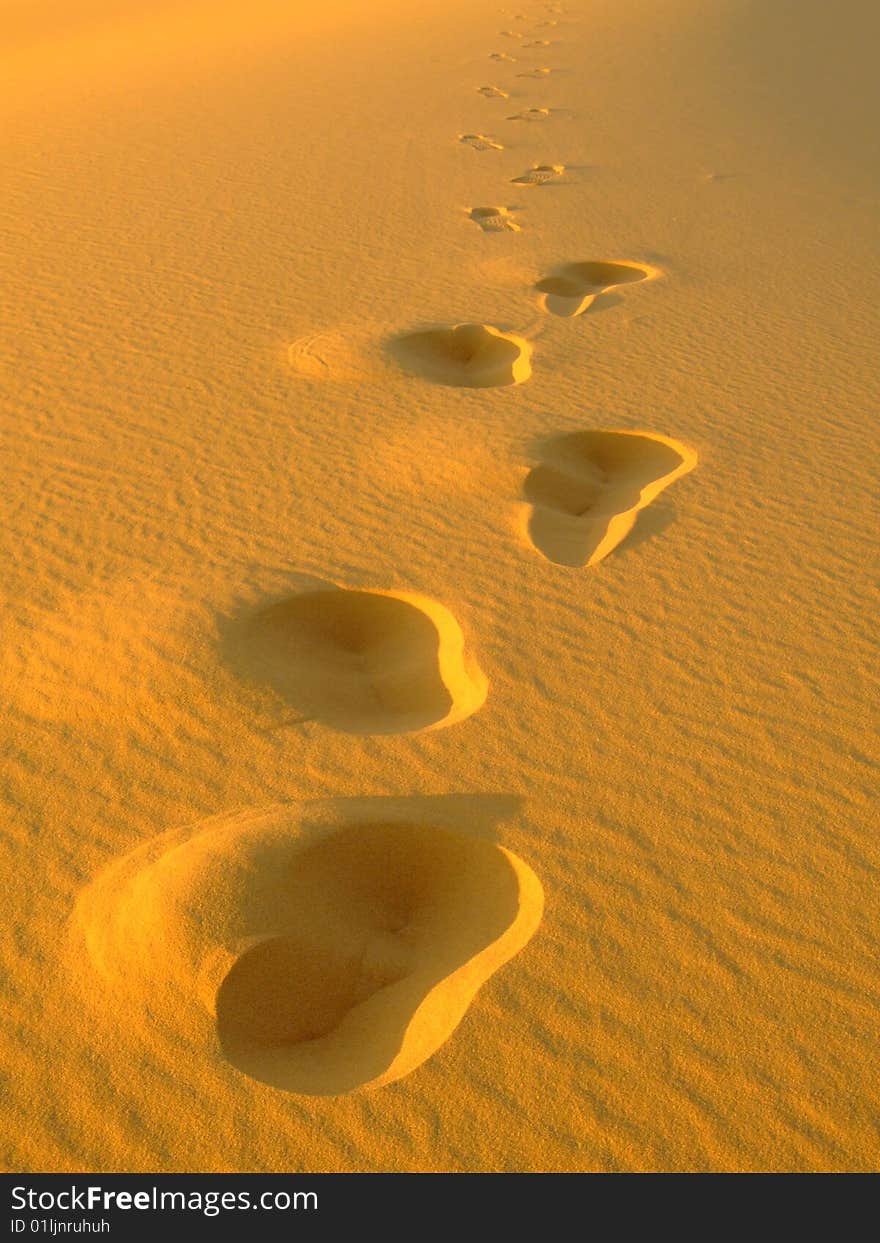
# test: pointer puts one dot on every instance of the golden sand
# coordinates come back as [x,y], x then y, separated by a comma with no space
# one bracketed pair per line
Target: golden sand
[439,530]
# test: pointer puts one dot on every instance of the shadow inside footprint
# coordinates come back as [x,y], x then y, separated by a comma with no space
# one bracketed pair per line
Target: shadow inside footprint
[572,289]
[465,356]
[588,491]
[362,662]
[391,930]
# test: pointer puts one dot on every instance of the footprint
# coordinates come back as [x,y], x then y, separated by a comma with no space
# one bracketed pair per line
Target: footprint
[531,114]
[538,43]
[480,142]
[466,356]
[318,948]
[588,490]
[361,662]
[511,34]
[494,219]
[539,175]
[502,56]
[492,92]
[539,72]
[573,288]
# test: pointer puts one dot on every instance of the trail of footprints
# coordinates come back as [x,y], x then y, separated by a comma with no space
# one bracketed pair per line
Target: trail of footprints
[347,939]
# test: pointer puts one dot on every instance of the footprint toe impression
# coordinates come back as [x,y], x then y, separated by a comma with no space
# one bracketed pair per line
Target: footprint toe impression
[318,948]
[466,356]
[362,662]
[572,289]
[586,494]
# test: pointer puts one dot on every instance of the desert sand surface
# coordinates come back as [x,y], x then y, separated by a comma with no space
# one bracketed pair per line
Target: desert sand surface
[439,597]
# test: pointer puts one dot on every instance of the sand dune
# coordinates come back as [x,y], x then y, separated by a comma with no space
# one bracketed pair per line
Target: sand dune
[312,435]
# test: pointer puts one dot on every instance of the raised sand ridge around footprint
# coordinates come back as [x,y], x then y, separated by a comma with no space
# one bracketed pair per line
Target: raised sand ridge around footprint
[587,492]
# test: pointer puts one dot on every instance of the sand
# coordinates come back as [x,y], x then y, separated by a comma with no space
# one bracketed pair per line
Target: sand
[439,539]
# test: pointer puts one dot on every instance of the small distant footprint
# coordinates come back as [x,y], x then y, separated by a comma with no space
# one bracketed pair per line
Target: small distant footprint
[531,114]
[538,43]
[539,175]
[492,92]
[539,72]
[494,219]
[572,289]
[511,34]
[502,56]
[588,490]
[480,142]
[465,356]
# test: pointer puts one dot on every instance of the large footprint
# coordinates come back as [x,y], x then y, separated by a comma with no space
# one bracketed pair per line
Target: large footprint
[362,662]
[576,286]
[587,492]
[319,948]
[465,356]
